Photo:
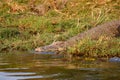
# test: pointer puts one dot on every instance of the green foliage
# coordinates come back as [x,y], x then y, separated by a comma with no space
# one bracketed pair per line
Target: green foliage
[99,48]
[9,33]
[22,29]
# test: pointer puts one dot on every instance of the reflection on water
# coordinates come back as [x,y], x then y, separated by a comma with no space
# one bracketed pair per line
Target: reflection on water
[27,66]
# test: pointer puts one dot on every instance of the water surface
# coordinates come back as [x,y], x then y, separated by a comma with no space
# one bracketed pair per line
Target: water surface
[28,66]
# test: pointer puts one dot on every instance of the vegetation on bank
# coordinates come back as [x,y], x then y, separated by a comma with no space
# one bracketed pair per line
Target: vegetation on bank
[23,27]
[104,47]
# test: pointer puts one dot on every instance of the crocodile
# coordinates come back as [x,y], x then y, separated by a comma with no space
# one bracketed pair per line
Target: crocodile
[108,29]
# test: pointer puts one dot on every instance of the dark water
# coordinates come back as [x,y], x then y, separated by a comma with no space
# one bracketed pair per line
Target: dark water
[27,66]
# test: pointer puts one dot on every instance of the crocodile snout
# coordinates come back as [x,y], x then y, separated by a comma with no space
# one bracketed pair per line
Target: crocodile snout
[39,49]
[55,46]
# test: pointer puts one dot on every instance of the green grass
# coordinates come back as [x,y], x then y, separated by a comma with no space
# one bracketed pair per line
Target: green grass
[20,29]
[103,47]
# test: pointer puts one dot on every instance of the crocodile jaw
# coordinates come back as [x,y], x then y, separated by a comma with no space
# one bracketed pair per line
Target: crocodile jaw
[55,46]
[39,49]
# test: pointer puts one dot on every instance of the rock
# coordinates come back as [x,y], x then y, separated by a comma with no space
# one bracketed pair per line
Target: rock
[114,59]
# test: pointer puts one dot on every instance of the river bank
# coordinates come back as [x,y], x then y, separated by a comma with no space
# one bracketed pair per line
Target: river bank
[23,29]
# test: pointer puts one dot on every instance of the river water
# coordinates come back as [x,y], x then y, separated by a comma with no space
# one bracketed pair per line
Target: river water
[29,66]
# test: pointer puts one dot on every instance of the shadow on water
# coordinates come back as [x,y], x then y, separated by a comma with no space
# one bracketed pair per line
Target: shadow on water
[28,66]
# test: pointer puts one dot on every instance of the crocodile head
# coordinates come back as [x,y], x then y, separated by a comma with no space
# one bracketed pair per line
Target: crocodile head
[54,47]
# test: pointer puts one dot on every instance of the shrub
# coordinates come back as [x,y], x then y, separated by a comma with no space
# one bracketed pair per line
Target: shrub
[9,33]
